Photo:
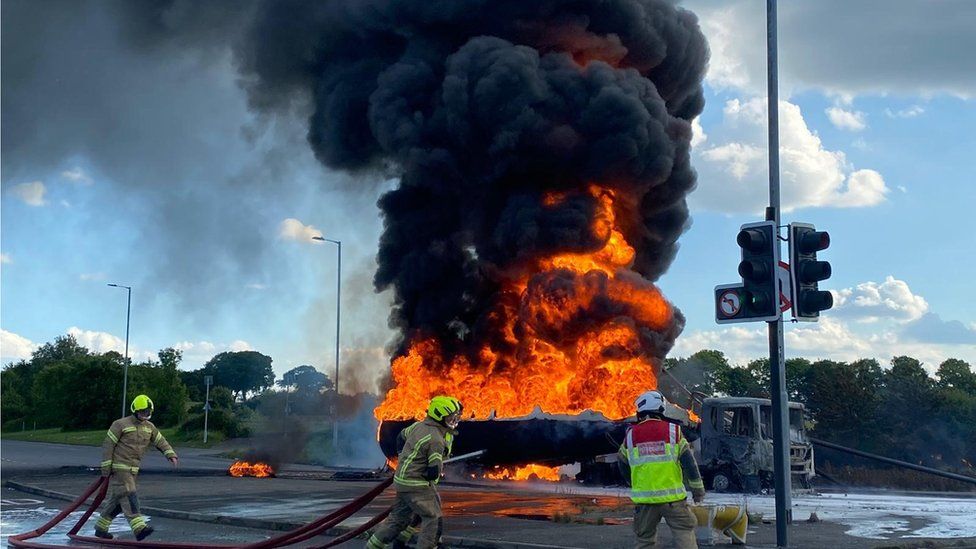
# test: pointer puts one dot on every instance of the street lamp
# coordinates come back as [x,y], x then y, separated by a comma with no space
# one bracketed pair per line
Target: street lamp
[125,376]
[335,413]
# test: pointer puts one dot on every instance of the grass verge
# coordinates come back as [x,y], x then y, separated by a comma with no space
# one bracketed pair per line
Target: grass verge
[95,437]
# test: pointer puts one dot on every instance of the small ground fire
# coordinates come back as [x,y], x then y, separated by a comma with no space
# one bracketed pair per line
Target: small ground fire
[247,469]
[526,472]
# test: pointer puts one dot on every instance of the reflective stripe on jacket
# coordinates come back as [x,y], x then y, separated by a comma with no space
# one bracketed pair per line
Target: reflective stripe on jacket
[424,446]
[126,442]
[652,449]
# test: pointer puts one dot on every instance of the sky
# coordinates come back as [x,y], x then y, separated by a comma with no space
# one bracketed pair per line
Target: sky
[134,160]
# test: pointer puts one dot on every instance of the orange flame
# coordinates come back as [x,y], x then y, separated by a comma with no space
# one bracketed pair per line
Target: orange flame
[602,368]
[527,472]
[246,469]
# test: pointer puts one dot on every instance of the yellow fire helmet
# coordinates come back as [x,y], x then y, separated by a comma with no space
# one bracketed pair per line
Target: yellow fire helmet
[140,403]
[443,406]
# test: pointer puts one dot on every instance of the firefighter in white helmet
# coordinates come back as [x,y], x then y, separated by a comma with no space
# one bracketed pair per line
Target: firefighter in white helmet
[656,459]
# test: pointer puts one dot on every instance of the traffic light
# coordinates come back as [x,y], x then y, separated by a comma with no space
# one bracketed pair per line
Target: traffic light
[806,271]
[760,298]
[757,297]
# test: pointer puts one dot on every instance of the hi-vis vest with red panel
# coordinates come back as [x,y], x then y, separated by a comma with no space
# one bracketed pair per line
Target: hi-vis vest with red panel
[652,448]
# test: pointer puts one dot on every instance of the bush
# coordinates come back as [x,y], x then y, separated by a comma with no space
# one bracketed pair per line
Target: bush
[221,420]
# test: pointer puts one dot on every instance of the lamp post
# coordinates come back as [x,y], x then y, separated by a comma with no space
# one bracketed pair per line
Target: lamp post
[335,418]
[128,309]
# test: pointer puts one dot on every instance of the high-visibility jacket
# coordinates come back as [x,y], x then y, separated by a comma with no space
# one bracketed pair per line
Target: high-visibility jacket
[652,449]
[126,442]
[425,445]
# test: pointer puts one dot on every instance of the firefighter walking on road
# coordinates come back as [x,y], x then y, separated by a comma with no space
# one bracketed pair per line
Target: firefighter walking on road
[419,467]
[656,459]
[125,444]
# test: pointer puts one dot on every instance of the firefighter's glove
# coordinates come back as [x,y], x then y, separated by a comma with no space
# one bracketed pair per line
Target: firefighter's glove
[432,472]
[697,494]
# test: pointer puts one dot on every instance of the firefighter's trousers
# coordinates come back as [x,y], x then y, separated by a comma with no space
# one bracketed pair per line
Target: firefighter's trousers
[423,502]
[121,498]
[679,518]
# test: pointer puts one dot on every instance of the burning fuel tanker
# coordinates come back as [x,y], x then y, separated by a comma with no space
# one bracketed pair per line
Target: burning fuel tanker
[540,153]
[541,439]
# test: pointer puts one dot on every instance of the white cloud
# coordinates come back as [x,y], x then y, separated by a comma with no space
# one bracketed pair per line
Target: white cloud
[77,175]
[847,120]
[239,345]
[726,63]
[698,135]
[256,286]
[31,193]
[15,347]
[869,320]
[197,353]
[293,229]
[910,112]
[99,342]
[873,301]
[5,259]
[829,338]
[863,52]
[195,347]
[739,158]
[92,276]
[810,175]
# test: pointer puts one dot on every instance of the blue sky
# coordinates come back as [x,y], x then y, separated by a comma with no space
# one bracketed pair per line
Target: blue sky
[155,174]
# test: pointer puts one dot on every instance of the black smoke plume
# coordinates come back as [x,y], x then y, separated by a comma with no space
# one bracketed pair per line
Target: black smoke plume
[481,108]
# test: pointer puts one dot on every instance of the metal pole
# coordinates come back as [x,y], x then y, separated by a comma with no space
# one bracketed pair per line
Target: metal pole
[335,415]
[335,406]
[125,375]
[206,413]
[125,366]
[781,447]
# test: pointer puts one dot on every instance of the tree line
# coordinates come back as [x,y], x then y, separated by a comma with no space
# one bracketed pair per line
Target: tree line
[900,411]
[66,385]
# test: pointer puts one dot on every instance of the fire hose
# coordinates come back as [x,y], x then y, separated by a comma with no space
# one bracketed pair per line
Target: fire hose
[300,534]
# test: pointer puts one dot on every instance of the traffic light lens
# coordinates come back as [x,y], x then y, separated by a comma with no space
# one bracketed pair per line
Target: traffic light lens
[754,270]
[814,241]
[815,301]
[753,240]
[758,301]
[814,271]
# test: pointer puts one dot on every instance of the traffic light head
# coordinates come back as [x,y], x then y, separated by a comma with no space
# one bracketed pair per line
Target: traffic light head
[758,270]
[807,272]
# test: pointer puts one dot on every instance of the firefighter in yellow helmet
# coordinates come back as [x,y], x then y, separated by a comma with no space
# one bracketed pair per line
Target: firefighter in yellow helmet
[419,467]
[125,444]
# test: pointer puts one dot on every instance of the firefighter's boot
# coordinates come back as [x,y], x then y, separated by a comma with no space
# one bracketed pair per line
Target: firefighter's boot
[144,533]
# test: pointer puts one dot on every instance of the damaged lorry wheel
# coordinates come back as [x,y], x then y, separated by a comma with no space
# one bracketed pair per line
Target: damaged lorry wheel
[721,482]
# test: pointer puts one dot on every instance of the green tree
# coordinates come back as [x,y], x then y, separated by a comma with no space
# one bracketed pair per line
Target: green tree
[242,372]
[843,399]
[305,379]
[14,404]
[62,348]
[909,404]
[194,382]
[162,382]
[78,392]
[957,374]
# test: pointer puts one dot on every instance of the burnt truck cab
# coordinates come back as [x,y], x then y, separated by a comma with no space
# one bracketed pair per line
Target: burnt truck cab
[734,444]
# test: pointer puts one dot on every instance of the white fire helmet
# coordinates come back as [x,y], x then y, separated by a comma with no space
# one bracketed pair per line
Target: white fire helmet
[650,402]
